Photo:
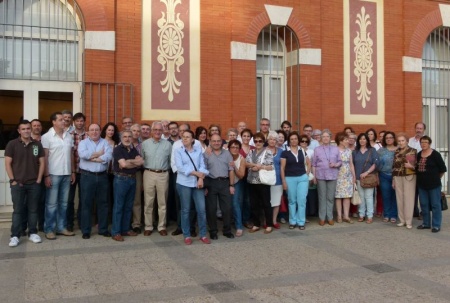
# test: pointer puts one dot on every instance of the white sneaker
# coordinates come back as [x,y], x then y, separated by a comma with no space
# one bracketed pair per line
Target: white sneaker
[35,238]
[13,242]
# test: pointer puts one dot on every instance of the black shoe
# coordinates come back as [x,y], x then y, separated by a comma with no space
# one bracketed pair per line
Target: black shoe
[214,237]
[137,230]
[105,234]
[86,236]
[177,232]
[193,233]
[70,228]
[435,230]
[229,235]
[423,227]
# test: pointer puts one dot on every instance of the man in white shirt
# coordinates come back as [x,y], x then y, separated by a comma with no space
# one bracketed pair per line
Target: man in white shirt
[414,142]
[59,174]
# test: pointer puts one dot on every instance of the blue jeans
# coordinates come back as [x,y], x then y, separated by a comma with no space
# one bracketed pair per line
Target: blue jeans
[388,194]
[237,203]
[187,194]
[25,198]
[124,191]
[431,198]
[365,209]
[56,204]
[297,190]
[94,187]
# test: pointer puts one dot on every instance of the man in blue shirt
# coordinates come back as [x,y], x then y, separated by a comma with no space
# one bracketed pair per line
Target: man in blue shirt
[95,154]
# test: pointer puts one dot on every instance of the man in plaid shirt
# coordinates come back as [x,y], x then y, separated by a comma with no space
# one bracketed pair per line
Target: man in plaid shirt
[78,134]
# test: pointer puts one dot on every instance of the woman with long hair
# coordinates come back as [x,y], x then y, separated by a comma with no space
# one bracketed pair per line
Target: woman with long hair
[364,159]
[239,179]
[201,134]
[385,160]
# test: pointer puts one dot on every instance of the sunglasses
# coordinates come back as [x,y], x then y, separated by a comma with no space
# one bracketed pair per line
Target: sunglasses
[304,141]
[258,141]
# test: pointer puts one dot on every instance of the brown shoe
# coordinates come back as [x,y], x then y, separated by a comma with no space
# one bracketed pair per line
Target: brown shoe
[50,236]
[321,222]
[331,222]
[118,237]
[130,233]
[147,233]
[163,232]
[65,232]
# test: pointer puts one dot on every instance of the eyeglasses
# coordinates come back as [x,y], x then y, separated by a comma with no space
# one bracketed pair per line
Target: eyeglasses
[258,141]
[304,141]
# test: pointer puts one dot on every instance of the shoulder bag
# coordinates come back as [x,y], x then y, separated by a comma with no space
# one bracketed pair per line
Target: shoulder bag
[371,180]
[267,177]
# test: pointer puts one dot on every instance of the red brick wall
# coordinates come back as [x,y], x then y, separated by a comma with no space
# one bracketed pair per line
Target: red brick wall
[228,87]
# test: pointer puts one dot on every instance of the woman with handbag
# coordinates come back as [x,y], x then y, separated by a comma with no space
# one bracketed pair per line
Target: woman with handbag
[295,168]
[364,160]
[346,179]
[430,168]
[404,180]
[326,163]
[191,172]
[385,160]
[259,162]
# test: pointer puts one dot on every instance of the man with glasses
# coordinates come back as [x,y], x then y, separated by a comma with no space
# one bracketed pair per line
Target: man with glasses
[264,128]
[126,123]
[308,130]
[156,153]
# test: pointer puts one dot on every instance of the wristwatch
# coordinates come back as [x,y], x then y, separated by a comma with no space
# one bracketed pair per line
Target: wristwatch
[12,180]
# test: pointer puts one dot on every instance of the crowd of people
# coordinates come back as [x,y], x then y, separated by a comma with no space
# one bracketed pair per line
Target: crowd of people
[142,177]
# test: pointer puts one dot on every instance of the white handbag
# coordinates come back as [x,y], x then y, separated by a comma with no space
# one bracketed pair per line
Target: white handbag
[267,177]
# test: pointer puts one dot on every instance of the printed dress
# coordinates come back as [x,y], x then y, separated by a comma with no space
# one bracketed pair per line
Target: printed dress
[344,185]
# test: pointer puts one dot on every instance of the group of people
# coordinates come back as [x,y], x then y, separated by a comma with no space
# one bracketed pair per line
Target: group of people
[142,174]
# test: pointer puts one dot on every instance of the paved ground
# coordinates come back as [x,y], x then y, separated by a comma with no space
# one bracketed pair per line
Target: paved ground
[342,263]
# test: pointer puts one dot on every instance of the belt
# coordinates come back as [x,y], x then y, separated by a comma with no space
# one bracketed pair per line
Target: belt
[220,178]
[125,175]
[92,173]
[158,171]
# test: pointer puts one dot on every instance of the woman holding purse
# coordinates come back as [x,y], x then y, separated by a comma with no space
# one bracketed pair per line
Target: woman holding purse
[364,160]
[404,180]
[259,159]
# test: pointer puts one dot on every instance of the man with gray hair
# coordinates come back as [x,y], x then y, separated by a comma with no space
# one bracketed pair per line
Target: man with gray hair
[156,153]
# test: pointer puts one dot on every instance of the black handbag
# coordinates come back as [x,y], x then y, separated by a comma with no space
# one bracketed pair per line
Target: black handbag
[444,205]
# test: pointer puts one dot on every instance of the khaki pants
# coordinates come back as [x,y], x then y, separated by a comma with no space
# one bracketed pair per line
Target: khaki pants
[137,206]
[405,191]
[155,184]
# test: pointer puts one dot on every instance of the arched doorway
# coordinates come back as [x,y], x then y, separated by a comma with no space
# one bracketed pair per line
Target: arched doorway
[278,76]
